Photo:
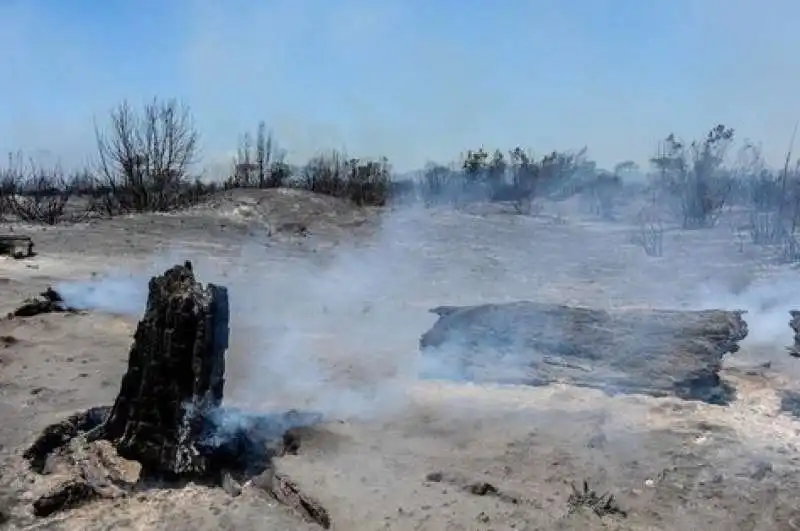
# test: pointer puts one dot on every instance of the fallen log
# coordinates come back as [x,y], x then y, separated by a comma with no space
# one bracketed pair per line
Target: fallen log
[654,352]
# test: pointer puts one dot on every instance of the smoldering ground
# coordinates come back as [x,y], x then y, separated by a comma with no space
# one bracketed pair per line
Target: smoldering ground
[316,332]
[337,331]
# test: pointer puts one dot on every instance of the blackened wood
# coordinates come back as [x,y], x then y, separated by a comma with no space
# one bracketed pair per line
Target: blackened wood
[655,352]
[175,375]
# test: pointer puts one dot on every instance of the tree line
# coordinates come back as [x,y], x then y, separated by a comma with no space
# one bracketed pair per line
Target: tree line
[145,158]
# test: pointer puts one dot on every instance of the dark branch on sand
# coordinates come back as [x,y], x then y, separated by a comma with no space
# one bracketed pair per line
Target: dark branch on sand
[599,504]
[48,301]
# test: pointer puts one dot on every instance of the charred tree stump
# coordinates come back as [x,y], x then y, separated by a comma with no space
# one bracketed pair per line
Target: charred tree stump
[175,376]
[654,352]
[168,420]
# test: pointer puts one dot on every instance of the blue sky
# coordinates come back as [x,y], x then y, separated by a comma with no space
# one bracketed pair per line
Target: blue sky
[413,80]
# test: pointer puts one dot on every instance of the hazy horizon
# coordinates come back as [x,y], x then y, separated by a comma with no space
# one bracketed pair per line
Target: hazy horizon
[411,81]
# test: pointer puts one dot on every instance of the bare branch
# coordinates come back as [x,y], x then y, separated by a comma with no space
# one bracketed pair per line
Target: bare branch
[145,156]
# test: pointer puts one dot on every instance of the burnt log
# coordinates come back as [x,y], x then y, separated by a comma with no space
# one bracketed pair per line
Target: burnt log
[175,376]
[794,324]
[645,351]
[281,487]
[16,246]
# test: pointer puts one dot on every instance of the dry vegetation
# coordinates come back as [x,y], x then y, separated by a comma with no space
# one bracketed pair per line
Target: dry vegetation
[145,161]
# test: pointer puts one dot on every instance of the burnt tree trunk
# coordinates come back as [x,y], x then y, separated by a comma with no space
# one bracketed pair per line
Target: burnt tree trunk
[168,420]
[175,375]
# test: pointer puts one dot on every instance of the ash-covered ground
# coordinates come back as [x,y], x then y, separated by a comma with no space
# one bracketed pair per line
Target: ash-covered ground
[327,307]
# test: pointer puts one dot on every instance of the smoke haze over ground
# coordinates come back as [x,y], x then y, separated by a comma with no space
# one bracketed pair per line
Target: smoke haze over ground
[339,333]
[294,320]
[329,321]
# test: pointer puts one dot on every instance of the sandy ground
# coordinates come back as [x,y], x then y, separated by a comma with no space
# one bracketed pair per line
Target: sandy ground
[328,305]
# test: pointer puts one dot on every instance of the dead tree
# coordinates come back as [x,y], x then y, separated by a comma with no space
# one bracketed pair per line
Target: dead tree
[175,375]
[145,157]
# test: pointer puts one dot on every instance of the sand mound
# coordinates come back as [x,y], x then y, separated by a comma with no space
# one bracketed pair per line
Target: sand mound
[285,209]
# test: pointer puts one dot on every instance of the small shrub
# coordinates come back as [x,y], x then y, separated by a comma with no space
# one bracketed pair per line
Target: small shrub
[767,228]
[791,249]
[402,191]
[364,182]
[261,165]
[601,191]
[36,194]
[692,179]
[368,182]
[650,234]
[440,185]
[600,504]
